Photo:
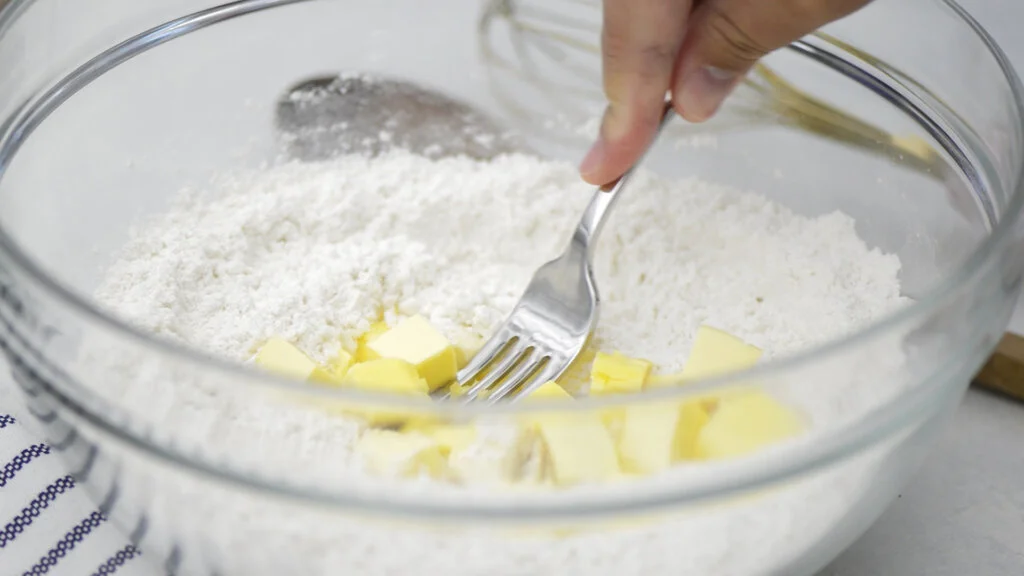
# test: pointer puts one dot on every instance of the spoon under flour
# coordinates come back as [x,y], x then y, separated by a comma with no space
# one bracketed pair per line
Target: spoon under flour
[325,117]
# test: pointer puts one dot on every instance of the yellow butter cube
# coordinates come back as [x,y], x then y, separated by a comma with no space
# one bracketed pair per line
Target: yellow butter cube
[282,358]
[714,353]
[454,438]
[449,437]
[577,377]
[386,375]
[647,437]
[340,363]
[362,343]
[391,453]
[694,416]
[616,373]
[420,344]
[744,423]
[456,390]
[579,448]
[614,419]
[578,445]
[655,436]
[549,391]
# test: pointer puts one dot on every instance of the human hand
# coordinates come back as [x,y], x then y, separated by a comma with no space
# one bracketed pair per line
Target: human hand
[699,50]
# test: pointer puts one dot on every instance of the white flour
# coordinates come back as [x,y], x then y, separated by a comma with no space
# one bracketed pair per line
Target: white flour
[314,253]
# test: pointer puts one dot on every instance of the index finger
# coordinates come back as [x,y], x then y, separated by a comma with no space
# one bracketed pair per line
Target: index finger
[639,43]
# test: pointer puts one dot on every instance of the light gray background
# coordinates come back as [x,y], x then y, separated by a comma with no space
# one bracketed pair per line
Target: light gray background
[964,514]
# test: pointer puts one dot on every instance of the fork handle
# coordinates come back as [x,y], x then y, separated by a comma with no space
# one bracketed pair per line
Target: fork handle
[594,216]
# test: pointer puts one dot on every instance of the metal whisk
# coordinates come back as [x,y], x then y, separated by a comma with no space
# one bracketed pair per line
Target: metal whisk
[552,48]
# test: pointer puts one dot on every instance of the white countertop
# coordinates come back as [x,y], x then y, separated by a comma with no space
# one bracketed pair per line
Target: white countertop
[964,513]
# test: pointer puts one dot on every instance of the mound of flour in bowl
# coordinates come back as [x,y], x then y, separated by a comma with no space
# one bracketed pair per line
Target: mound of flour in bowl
[316,252]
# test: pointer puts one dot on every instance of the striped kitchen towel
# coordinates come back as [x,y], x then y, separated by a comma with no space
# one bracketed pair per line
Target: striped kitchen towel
[46,526]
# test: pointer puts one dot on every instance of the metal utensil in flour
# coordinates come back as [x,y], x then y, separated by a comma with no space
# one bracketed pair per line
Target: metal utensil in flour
[552,323]
[324,117]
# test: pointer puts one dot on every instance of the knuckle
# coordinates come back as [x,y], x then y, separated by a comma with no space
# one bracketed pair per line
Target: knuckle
[614,42]
[657,55]
[738,44]
[653,64]
[816,13]
[646,58]
[806,10]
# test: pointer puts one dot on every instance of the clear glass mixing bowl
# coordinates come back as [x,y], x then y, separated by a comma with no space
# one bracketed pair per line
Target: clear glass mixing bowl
[109,107]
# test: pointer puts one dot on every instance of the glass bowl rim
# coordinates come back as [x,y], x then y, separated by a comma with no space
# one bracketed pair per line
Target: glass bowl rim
[859,434]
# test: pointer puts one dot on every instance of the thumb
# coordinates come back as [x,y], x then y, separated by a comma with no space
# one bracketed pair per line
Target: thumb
[725,38]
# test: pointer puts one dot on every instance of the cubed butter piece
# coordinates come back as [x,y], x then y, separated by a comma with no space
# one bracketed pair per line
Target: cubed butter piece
[579,448]
[616,374]
[654,436]
[694,416]
[614,419]
[388,375]
[451,437]
[576,379]
[457,390]
[744,423]
[713,353]
[282,358]
[549,391]
[363,353]
[420,344]
[340,363]
[391,453]
[578,445]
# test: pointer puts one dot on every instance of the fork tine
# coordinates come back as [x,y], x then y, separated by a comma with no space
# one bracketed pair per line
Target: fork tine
[524,371]
[553,369]
[484,356]
[515,353]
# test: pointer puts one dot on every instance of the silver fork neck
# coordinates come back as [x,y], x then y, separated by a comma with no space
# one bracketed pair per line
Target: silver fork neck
[593,219]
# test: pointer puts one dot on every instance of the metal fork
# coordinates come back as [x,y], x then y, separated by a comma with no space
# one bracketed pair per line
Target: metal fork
[553,321]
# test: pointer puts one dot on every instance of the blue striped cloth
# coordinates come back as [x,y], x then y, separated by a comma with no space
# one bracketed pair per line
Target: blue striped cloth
[46,526]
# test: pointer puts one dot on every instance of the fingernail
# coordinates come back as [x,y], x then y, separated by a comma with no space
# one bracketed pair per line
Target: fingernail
[704,91]
[594,159]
